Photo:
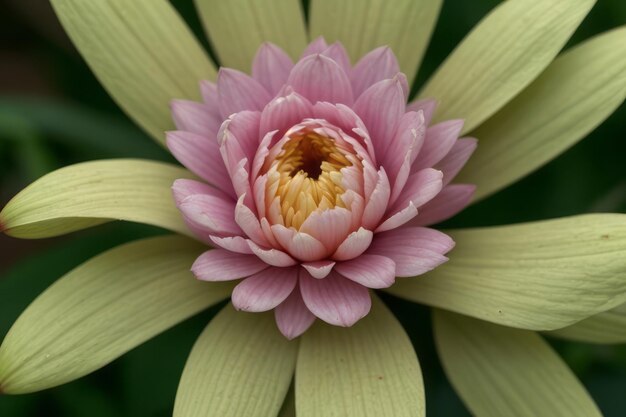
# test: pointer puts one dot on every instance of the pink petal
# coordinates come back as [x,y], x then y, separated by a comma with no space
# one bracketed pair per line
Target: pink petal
[210,97]
[300,245]
[403,150]
[335,299]
[428,106]
[377,65]
[330,227]
[293,317]
[201,155]
[380,107]
[315,47]
[233,243]
[415,250]
[238,91]
[372,271]
[183,188]
[319,269]
[438,141]
[379,199]
[223,265]
[338,53]
[212,212]
[421,187]
[271,67]
[398,218]
[451,200]
[195,118]
[265,290]
[452,163]
[319,78]
[355,244]
[238,138]
[249,222]
[272,257]
[284,112]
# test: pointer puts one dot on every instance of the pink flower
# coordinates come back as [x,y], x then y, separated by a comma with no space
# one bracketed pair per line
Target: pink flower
[319,180]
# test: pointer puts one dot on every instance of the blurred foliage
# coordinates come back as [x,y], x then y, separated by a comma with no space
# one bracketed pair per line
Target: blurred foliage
[77,121]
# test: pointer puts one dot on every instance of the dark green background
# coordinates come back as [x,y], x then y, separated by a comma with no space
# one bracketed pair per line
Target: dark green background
[53,113]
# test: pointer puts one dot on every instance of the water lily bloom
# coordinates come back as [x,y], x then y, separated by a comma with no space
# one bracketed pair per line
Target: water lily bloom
[315,180]
[321,182]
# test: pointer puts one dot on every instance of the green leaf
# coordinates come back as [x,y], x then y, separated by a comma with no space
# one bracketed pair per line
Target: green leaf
[240,366]
[101,310]
[575,94]
[238,27]
[507,50]
[404,25]
[90,193]
[539,276]
[141,51]
[368,370]
[608,327]
[499,371]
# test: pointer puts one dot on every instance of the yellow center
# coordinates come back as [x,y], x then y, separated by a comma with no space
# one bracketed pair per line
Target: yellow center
[306,176]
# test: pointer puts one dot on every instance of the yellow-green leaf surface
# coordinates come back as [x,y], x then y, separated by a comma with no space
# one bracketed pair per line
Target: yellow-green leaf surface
[570,98]
[507,50]
[604,328]
[539,276]
[369,370]
[141,51]
[237,28]
[90,193]
[404,25]
[499,371]
[240,366]
[102,309]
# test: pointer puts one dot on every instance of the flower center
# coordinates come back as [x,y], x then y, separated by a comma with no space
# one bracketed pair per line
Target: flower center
[306,176]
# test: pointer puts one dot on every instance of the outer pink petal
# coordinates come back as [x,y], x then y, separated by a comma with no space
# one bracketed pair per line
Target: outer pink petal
[438,141]
[316,47]
[201,155]
[195,118]
[372,271]
[271,67]
[452,163]
[233,243]
[210,97]
[451,200]
[183,188]
[355,244]
[335,299]
[398,218]
[415,250]
[212,212]
[249,222]
[223,265]
[272,257]
[380,107]
[428,106]
[319,78]
[319,269]
[300,245]
[421,187]
[338,53]
[403,150]
[238,91]
[292,316]
[377,65]
[284,112]
[265,290]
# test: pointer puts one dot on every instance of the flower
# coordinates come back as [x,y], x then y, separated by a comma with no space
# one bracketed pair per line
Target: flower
[500,286]
[318,171]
